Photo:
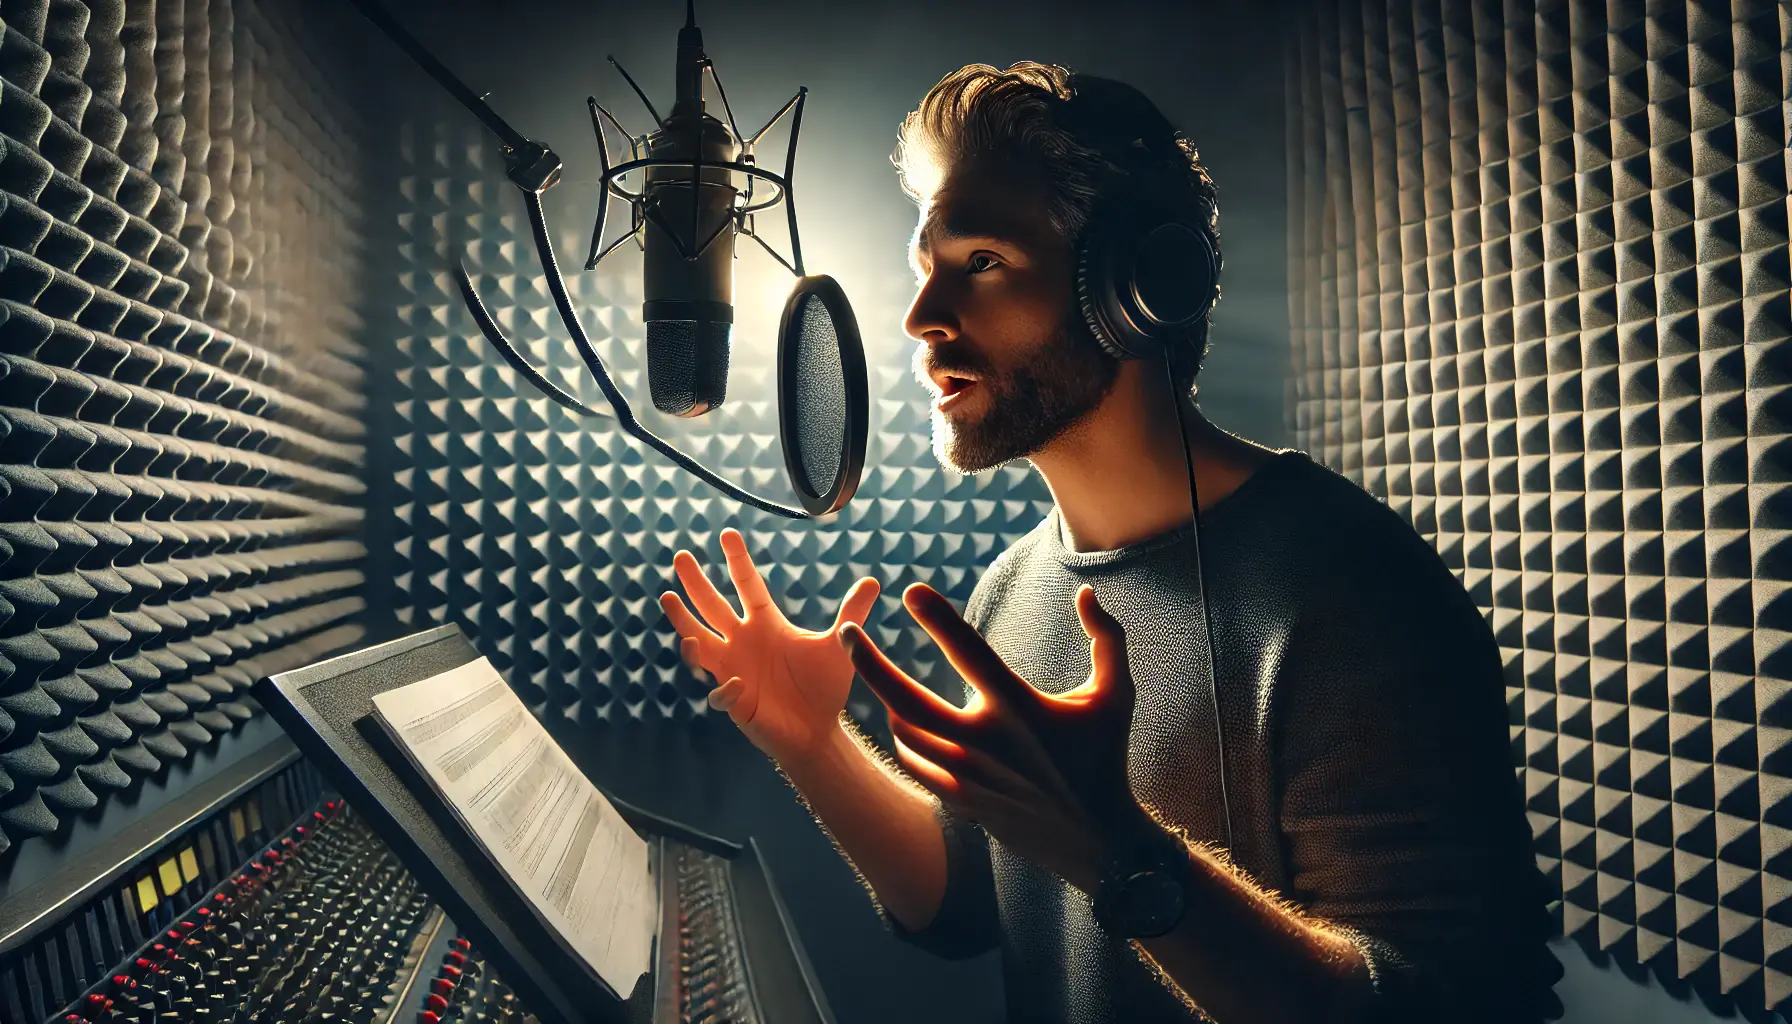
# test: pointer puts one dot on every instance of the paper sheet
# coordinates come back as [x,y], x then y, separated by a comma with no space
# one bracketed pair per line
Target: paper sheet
[563,845]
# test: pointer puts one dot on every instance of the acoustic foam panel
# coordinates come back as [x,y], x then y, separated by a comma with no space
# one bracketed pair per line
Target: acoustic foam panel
[549,537]
[180,397]
[1541,308]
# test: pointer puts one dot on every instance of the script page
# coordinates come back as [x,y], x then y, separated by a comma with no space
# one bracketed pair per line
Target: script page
[561,843]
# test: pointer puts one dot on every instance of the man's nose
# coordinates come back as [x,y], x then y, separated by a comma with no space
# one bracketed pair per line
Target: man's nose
[930,316]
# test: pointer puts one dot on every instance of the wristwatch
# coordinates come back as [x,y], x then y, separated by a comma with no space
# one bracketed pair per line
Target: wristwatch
[1143,888]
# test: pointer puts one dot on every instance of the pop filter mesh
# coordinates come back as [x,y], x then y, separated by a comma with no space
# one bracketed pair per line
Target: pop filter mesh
[819,410]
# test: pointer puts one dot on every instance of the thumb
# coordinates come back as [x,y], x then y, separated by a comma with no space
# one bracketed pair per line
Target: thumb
[857,604]
[1107,646]
[738,699]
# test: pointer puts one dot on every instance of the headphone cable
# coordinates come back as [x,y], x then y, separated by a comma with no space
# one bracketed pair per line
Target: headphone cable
[1204,623]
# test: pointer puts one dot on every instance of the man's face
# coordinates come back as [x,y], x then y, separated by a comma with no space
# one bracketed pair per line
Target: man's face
[1003,344]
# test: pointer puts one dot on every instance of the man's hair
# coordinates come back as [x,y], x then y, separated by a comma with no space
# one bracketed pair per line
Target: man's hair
[1091,150]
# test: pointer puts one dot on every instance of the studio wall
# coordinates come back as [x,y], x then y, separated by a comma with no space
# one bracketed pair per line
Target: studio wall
[1540,306]
[181,395]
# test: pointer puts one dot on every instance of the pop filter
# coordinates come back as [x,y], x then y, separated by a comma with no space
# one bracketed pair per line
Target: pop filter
[824,405]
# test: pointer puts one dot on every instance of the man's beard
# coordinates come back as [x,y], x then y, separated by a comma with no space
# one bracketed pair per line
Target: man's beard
[1029,406]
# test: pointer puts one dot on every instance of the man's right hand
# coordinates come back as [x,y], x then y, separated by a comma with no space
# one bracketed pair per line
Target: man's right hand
[783,686]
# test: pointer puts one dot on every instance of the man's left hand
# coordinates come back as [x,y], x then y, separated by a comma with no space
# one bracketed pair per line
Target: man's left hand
[1045,774]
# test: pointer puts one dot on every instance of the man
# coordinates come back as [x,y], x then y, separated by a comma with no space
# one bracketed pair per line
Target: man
[1378,866]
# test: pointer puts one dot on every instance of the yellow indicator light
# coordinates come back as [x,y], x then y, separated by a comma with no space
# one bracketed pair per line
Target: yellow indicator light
[147,897]
[170,872]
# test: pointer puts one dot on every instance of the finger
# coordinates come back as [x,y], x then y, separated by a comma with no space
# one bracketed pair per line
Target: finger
[1110,674]
[746,705]
[899,692]
[747,582]
[967,764]
[723,697]
[970,655]
[932,777]
[688,625]
[692,655]
[858,603]
[738,698]
[708,601]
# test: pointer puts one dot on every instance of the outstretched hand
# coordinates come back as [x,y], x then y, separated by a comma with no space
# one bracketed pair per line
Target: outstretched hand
[1045,774]
[783,686]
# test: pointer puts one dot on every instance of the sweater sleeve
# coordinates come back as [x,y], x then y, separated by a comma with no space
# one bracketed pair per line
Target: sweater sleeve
[1401,818]
[966,924]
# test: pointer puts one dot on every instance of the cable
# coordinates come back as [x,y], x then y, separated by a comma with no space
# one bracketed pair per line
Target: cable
[1204,623]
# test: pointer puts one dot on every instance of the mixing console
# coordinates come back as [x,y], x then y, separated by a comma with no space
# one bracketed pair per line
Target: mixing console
[707,981]
[318,927]
[277,902]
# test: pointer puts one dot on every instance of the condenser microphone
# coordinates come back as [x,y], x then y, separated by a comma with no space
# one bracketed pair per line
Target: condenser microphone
[689,204]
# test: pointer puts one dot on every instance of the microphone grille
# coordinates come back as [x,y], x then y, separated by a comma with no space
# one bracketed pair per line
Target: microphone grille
[687,364]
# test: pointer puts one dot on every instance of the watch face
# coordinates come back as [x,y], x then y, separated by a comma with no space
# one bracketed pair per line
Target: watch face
[1145,904]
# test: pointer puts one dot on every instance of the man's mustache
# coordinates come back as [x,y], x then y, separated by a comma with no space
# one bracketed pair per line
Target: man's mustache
[954,364]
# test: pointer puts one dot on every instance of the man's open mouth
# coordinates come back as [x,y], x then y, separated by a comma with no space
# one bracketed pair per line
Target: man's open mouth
[953,385]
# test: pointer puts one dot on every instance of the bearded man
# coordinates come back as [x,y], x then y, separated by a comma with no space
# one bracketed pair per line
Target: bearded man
[1348,845]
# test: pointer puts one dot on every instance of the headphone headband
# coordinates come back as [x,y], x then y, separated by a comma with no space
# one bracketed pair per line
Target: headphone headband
[1118,120]
[1147,274]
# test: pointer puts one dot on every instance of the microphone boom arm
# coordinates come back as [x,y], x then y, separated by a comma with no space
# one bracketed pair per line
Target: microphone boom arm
[531,165]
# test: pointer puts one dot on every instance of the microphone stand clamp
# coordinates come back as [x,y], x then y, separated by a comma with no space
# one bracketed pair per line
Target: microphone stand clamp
[534,168]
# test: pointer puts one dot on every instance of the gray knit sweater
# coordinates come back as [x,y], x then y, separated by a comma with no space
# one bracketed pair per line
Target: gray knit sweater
[1368,762]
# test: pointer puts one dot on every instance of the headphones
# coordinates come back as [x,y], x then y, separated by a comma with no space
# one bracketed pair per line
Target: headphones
[1146,276]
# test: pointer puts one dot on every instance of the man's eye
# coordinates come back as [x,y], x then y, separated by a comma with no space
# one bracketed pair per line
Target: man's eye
[982,261]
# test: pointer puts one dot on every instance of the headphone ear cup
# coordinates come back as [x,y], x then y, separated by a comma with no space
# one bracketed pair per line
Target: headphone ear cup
[1173,276]
[1104,287]
[1094,279]
[1142,285]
